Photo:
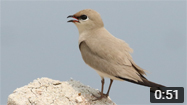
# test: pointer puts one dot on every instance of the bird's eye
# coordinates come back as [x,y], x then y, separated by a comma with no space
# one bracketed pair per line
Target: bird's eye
[83,17]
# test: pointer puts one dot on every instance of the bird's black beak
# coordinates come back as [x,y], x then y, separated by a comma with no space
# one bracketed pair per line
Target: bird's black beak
[74,18]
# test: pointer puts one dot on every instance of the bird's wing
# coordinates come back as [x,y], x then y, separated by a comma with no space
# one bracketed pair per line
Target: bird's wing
[110,48]
[109,55]
[127,73]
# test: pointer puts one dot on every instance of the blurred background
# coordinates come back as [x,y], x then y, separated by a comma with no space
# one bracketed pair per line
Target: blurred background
[37,41]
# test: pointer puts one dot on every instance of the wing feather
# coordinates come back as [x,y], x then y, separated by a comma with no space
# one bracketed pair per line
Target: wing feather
[110,55]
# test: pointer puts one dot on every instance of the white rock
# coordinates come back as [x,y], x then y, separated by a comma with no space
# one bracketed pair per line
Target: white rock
[78,99]
[46,91]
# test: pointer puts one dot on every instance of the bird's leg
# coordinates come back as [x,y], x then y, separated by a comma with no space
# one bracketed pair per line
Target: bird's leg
[102,86]
[107,94]
[102,94]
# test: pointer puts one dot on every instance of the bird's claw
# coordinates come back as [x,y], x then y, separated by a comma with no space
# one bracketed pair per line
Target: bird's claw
[100,97]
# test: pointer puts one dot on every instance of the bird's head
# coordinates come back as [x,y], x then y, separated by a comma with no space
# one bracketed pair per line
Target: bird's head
[86,19]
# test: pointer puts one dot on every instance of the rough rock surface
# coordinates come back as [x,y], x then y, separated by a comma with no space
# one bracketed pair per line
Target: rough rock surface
[46,91]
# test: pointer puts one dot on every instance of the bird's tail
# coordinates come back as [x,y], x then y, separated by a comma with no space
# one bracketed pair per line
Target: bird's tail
[144,82]
[153,86]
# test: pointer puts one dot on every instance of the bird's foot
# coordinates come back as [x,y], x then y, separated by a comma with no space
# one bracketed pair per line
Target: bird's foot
[100,97]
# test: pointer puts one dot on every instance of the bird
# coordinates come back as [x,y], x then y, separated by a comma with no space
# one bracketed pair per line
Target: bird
[108,55]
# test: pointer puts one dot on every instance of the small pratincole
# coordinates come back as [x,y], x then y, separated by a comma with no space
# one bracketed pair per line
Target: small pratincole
[108,55]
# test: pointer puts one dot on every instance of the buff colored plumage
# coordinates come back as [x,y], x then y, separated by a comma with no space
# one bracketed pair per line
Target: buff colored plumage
[108,55]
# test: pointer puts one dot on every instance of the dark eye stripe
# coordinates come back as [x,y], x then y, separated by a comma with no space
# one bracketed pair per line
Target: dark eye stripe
[83,17]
